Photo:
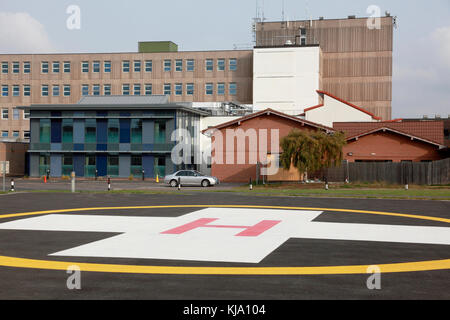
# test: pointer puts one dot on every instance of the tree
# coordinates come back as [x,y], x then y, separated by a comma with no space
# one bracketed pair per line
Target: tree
[311,150]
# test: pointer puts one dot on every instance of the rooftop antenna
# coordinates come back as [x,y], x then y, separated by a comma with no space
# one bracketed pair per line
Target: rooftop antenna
[282,10]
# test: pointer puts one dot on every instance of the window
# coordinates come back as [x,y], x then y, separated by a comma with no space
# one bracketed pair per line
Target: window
[167,88]
[5,91]
[26,134]
[113,166]
[136,165]
[55,91]
[5,134]
[221,64]
[178,89]
[44,90]
[44,130]
[44,67]
[16,114]
[160,132]
[126,89]
[96,89]
[190,65]
[107,89]
[16,67]
[148,66]
[90,131]
[148,89]
[233,64]
[66,66]
[16,134]
[232,89]
[137,89]
[67,164]
[5,113]
[96,66]
[16,90]
[209,89]
[26,90]
[126,66]
[84,89]
[221,89]
[136,131]
[209,65]
[26,114]
[26,67]
[179,65]
[190,89]
[67,90]
[90,166]
[137,66]
[85,66]
[167,65]
[113,130]
[5,67]
[67,130]
[55,67]
[107,66]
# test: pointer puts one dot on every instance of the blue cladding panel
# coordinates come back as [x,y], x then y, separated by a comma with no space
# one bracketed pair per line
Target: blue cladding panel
[56,113]
[125,114]
[102,131]
[78,165]
[147,147]
[55,165]
[102,165]
[148,130]
[56,131]
[102,114]
[125,130]
[78,131]
[147,164]
[78,147]
[102,147]
[55,146]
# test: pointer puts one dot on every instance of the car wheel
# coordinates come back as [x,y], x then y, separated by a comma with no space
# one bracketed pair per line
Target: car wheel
[205,183]
[173,183]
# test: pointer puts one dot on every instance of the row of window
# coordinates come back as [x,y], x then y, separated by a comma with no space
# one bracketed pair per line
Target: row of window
[178,89]
[127,65]
[15,134]
[16,114]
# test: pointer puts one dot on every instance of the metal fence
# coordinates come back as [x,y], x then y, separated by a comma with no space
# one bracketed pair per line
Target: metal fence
[421,173]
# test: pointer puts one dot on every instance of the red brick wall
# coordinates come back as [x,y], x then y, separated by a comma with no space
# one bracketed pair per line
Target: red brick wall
[390,146]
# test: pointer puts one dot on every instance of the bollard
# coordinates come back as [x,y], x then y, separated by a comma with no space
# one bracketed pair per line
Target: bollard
[72,175]
[179,183]
[12,185]
[143,175]
[406,186]
[109,184]
[251,185]
[96,174]
[157,178]
[48,174]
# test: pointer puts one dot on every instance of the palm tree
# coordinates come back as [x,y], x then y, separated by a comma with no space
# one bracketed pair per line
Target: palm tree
[311,150]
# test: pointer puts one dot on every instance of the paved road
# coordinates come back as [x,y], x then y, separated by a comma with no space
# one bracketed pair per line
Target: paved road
[30,283]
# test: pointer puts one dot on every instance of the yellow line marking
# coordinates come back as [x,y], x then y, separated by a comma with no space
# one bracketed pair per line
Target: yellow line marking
[116,268]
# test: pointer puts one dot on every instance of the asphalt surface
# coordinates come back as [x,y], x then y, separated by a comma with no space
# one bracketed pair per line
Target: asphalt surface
[25,283]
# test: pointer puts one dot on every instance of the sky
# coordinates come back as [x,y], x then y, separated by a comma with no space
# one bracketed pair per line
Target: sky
[421,67]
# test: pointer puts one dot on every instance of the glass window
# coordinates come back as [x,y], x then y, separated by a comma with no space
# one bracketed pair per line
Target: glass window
[113,166]
[44,67]
[190,89]
[126,66]
[5,134]
[221,64]
[5,90]
[160,132]
[44,164]
[167,65]
[167,88]
[232,89]
[85,66]
[221,89]
[5,67]
[26,134]
[148,66]
[125,89]
[26,67]
[113,130]
[136,131]
[90,131]
[137,66]
[16,134]
[16,114]
[5,113]
[66,66]
[26,114]
[67,164]
[233,64]
[137,89]
[90,166]
[178,89]
[136,166]
[67,130]
[178,65]
[55,90]
[67,90]
[160,166]
[85,89]
[55,67]
[16,67]
[107,89]
[209,64]
[96,89]
[16,90]
[107,66]
[209,88]
[96,66]
[44,130]
[26,90]
[190,65]
[148,89]
[44,90]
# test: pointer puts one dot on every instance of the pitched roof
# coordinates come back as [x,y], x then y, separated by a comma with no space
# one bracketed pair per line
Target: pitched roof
[269,112]
[429,130]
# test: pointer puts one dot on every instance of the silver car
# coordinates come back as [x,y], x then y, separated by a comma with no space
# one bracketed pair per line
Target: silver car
[190,178]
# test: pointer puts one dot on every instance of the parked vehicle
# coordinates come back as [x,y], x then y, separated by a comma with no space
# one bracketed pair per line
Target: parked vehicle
[190,178]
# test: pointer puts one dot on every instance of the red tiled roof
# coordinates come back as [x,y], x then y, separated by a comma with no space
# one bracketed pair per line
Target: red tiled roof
[428,130]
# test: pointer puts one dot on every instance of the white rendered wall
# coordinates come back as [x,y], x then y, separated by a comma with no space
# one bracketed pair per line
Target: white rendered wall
[285,79]
[335,111]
